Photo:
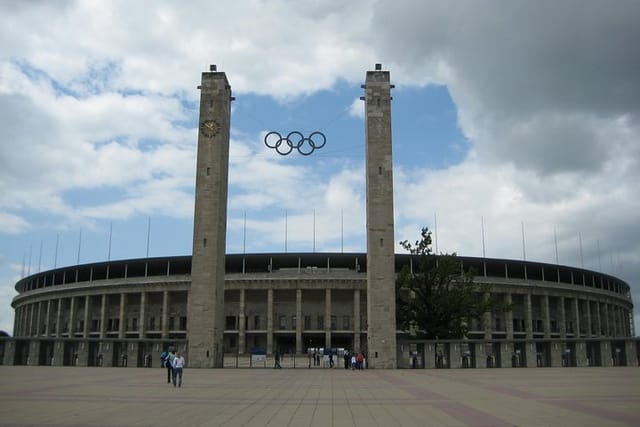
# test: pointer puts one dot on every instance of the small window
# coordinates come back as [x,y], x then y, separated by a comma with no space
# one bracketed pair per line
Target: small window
[230,322]
[282,323]
[346,323]
[307,322]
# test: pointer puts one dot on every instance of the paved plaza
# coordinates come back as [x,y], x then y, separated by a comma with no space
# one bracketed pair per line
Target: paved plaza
[105,397]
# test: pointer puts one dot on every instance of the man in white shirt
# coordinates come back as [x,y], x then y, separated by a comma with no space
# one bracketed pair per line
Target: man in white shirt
[178,366]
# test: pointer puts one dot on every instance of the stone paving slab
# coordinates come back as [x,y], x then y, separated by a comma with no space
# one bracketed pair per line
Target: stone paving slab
[109,397]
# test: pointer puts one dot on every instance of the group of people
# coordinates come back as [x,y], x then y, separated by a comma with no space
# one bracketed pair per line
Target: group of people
[358,361]
[351,361]
[174,362]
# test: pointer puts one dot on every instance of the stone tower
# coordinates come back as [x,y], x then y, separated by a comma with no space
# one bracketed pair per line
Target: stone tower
[381,303]
[205,322]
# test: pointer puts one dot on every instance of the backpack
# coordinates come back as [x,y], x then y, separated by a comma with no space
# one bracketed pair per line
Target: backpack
[163,359]
[169,360]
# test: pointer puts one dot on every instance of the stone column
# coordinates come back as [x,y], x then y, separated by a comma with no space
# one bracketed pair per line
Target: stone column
[165,314]
[17,322]
[269,321]
[205,312]
[242,327]
[122,322]
[72,317]
[356,321]
[47,325]
[486,320]
[87,301]
[429,356]
[546,312]
[556,354]
[481,355]
[581,354]
[576,314]
[528,316]
[327,318]
[614,318]
[39,319]
[509,316]
[506,354]
[631,353]
[298,321]
[31,318]
[531,359]
[589,329]
[143,314]
[598,331]
[103,316]
[381,311]
[59,318]
[623,323]
[563,318]
[605,354]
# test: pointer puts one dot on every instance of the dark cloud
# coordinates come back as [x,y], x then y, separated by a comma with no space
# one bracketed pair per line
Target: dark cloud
[529,78]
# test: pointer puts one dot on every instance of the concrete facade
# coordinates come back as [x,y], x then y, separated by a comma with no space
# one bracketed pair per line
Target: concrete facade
[125,313]
[381,302]
[206,293]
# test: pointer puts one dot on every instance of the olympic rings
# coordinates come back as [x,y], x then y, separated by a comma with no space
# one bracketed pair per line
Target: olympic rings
[295,140]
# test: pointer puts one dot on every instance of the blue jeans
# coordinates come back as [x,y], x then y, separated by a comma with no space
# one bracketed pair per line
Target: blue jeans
[177,375]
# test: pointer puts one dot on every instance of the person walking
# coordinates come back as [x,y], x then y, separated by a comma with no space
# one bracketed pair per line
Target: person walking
[277,360]
[178,366]
[169,365]
[360,360]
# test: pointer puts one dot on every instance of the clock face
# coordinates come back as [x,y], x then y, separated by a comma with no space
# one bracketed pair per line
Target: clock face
[209,128]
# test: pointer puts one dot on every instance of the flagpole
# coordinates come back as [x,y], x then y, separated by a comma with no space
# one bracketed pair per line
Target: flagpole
[40,257]
[435,229]
[483,247]
[31,249]
[244,234]
[148,233]
[524,252]
[286,229]
[79,246]
[342,230]
[55,256]
[314,230]
[581,256]
[110,233]
[555,240]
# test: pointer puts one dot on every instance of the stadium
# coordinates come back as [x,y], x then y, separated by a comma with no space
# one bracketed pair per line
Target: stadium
[124,313]
[224,310]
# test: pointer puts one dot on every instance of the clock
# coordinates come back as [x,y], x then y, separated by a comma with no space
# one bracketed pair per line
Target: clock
[209,128]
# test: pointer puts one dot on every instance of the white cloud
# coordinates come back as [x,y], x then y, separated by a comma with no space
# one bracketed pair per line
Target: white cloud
[357,108]
[547,94]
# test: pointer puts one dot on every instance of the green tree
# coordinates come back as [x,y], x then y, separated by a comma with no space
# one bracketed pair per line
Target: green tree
[435,297]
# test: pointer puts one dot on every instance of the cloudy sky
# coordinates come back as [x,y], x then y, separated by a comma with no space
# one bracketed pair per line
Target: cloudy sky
[523,117]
